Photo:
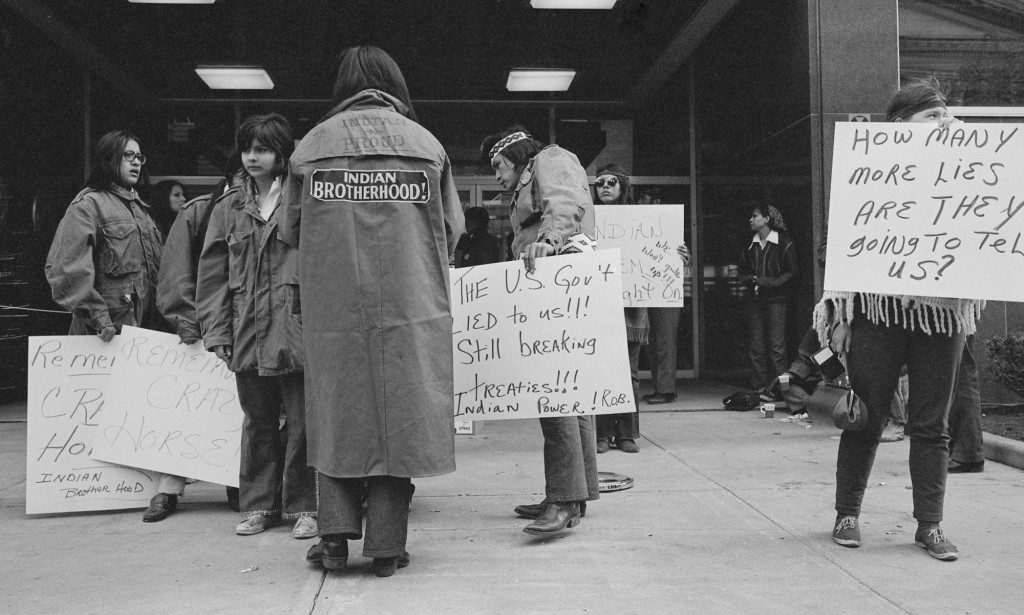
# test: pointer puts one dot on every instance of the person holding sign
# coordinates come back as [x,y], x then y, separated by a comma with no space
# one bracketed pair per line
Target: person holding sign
[551,213]
[880,333]
[104,260]
[372,205]
[247,301]
[769,270]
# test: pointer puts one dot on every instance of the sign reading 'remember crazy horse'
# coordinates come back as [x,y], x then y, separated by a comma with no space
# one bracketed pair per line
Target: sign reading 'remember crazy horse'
[368,186]
[544,344]
[920,210]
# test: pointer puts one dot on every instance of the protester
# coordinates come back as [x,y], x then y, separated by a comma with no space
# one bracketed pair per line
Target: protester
[478,246]
[373,208]
[769,270]
[103,262]
[247,301]
[551,213]
[176,300]
[166,200]
[879,334]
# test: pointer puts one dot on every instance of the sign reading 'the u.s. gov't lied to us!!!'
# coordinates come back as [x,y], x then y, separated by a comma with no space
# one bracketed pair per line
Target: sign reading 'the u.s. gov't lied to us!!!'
[916,209]
[544,344]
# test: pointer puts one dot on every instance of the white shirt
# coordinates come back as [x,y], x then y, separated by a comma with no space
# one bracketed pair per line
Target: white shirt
[270,203]
[773,237]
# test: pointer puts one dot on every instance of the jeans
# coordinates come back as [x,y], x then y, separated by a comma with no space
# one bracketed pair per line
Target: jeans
[273,474]
[662,348]
[570,459]
[340,511]
[767,341]
[626,425]
[877,352]
[965,439]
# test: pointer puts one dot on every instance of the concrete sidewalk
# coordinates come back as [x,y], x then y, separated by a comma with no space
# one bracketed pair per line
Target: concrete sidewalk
[730,513]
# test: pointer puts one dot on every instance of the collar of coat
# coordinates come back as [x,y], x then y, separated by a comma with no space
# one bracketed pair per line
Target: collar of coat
[368,99]
[773,237]
[126,194]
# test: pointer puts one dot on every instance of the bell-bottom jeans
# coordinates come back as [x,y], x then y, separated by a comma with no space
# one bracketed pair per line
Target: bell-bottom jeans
[570,459]
[661,351]
[387,511]
[767,344]
[877,352]
[625,425]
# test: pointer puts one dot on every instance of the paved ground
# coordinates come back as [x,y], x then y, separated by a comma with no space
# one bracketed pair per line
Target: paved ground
[730,513]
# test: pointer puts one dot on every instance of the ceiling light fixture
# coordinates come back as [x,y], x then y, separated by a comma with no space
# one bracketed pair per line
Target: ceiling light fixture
[572,4]
[539,80]
[235,77]
[172,1]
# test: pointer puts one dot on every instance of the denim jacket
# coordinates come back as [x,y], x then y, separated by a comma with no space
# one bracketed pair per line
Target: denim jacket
[552,201]
[104,260]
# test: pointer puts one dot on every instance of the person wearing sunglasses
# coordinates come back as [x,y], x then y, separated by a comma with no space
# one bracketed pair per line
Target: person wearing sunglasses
[551,213]
[103,263]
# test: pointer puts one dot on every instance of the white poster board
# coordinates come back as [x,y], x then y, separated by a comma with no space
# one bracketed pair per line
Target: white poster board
[647,237]
[547,344]
[919,210]
[175,409]
[67,384]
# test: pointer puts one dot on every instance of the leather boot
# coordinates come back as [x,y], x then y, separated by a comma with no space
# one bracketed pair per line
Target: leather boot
[556,518]
[532,511]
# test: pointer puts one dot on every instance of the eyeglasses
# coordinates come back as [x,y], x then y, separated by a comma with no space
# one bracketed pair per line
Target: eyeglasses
[611,182]
[129,155]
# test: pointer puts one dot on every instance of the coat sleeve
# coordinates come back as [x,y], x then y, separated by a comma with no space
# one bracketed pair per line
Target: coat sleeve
[563,196]
[291,202]
[454,219]
[71,268]
[789,266]
[213,297]
[176,286]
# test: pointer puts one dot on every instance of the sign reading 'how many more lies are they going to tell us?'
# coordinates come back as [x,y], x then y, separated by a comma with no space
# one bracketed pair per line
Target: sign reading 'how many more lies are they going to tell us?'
[917,209]
[545,344]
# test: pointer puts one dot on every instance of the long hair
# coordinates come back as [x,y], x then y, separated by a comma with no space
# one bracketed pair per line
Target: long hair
[518,153]
[273,131]
[370,68]
[160,204]
[106,160]
[626,190]
[914,97]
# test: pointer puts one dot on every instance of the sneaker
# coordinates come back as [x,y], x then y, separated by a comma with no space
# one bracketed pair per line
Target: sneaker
[846,532]
[305,527]
[769,395]
[893,432]
[800,416]
[254,523]
[934,540]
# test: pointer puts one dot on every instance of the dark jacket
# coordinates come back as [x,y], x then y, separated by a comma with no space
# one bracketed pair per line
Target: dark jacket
[104,260]
[373,205]
[770,272]
[247,293]
[179,267]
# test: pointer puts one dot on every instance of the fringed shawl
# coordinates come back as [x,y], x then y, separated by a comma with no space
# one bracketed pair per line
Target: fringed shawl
[912,312]
[637,325]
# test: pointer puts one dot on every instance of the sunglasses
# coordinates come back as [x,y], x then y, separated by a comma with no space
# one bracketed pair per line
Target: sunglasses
[611,182]
[129,155]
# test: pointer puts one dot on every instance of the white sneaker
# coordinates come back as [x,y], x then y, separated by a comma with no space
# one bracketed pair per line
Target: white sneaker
[305,527]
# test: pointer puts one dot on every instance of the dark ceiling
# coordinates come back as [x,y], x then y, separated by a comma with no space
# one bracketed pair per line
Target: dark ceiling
[448,50]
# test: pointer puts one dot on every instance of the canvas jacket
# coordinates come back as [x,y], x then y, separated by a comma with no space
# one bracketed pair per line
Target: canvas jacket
[179,267]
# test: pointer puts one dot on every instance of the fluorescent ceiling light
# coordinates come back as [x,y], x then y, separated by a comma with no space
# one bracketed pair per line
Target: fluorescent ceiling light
[235,77]
[173,1]
[572,4]
[539,80]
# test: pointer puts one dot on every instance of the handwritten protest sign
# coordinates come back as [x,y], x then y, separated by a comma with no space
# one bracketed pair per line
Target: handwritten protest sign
[919,210]
[67,382]
[647,237]
[174,409]
[544,344]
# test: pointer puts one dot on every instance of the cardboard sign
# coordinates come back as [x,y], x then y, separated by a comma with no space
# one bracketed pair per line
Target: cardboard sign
[647,236]
[544,344]
[174,409]
[919,210]
[67,383]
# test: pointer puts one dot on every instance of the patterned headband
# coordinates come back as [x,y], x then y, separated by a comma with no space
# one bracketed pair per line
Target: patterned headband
[505,142]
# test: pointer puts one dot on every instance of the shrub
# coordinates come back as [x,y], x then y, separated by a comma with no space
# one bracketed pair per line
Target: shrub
[1006,361]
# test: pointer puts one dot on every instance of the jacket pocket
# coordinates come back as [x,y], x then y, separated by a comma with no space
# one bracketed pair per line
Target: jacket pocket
[238,259]
[119,256]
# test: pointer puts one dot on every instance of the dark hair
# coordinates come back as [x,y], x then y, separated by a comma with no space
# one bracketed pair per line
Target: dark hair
[478,215]
[370,68]
[160,204]
[273,131]
[626,192]
[518,153]
[914,97]
[106,159]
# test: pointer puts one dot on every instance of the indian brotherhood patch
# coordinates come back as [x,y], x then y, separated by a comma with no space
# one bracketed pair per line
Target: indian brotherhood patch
[369,186]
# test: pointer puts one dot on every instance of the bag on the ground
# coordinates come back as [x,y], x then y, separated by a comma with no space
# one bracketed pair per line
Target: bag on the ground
[840,403]
[741,402]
